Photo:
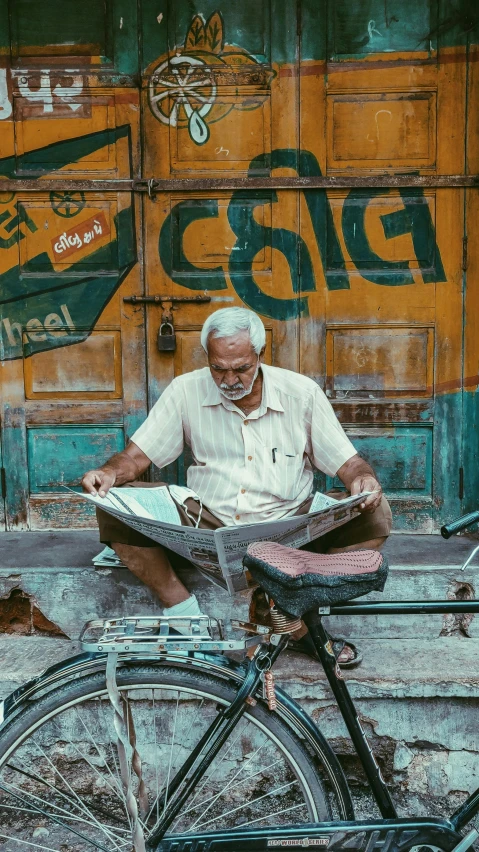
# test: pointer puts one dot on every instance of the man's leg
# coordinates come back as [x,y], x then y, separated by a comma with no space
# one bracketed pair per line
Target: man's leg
[372,544]
[152,566]
[148,561]
[359,534]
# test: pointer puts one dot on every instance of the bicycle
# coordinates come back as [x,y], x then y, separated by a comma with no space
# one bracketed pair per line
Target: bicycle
[153,739]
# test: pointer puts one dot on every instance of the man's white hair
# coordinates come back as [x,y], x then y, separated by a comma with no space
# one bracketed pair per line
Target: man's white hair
[229,321]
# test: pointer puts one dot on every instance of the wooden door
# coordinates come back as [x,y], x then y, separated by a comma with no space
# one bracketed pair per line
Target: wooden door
[380,95]
[72,374]
[216,107]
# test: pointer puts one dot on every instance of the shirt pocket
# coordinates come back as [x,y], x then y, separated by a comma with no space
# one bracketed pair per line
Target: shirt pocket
[282,476]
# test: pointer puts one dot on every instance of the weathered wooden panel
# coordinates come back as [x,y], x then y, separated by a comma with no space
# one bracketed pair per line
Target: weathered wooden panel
[243,134]
[72,34]
[215,34]
[197,256]
[391,130]
[59,455]
[408,25]
[401,456]
[92,369]
[88,240]
[380,361]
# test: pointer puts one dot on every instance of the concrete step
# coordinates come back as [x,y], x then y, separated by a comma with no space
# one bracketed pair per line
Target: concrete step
[417,701]
[48,586]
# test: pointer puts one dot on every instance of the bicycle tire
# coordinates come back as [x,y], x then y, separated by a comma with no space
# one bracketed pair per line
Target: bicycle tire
[36,756]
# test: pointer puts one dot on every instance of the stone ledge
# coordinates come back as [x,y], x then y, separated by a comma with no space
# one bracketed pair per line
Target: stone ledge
[75,548]
[391,669]
[68,597]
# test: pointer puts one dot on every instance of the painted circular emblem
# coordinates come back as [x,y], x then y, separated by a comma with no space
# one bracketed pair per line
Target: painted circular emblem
[179,95]
[67,204]
[183,85]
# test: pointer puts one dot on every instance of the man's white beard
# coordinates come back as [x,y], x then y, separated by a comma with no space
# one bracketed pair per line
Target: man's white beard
[239,391]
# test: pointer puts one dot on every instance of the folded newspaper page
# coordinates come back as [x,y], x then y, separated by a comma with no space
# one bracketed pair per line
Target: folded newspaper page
[218,554]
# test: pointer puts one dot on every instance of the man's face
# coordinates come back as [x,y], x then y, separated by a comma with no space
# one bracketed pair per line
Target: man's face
[234,364]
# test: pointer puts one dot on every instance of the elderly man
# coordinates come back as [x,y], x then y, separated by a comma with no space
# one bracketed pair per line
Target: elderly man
[255,433]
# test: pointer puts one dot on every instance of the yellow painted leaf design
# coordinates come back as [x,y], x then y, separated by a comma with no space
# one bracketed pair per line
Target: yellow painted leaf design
[196,36]
[214,33]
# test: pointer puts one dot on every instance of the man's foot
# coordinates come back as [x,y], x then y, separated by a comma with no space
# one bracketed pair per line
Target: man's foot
[347,654]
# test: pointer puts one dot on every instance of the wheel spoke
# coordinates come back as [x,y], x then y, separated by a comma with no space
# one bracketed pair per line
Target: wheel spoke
[65,767]
[197,824]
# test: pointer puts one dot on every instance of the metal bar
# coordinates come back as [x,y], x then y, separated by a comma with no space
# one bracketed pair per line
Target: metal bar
[158,300]
[322,643]
[466,811]
[403,607]
[250,183]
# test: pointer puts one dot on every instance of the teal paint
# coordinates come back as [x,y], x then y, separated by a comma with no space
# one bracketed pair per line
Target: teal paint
[470,459]
[15,456]
[246,24]
[388,273]
[268,30]
[401,456]
[36,291]
[251,238]
[12,222]
[65,23]
[371,26]
[418,222]
[171,252]
[25,299]
[60,455]
[320,212]
[448,426]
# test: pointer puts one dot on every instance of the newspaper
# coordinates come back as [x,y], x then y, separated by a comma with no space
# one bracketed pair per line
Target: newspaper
[218,554]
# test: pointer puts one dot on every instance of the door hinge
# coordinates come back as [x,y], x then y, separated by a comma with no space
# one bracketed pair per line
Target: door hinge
[464,254]
[461,483]
[3,483]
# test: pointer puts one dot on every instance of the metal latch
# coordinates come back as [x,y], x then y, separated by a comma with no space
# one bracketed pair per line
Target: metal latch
[159,300]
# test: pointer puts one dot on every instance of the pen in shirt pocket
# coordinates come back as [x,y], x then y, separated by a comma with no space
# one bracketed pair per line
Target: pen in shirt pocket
[275,450]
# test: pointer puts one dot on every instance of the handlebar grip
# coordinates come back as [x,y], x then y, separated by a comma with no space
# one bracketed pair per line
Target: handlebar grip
[459,524]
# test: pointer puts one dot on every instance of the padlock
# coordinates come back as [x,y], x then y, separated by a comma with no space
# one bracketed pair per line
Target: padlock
[166,337]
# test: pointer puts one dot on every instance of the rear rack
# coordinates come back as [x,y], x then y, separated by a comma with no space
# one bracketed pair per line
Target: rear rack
[143,634]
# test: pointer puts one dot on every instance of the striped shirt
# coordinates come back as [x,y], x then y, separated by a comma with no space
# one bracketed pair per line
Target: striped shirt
[247,468]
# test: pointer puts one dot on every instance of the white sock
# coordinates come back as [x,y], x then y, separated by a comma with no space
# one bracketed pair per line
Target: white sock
[189,608]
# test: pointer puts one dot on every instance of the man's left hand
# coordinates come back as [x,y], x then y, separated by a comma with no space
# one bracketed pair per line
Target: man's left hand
[367,483]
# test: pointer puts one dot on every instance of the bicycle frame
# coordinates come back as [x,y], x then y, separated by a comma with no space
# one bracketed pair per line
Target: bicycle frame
[313,620]
[386,835]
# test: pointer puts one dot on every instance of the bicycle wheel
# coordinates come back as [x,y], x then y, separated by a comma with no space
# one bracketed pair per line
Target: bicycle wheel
[60,785]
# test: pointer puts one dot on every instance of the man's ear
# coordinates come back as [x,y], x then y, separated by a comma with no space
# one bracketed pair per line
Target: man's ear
[261,354]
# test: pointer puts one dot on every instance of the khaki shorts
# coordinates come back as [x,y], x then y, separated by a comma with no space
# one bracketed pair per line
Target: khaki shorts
[363,527]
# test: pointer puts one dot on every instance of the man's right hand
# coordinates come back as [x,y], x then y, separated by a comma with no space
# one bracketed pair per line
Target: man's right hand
[98,482]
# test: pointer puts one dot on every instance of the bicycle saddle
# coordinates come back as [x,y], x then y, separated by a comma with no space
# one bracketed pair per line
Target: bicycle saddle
[299,581]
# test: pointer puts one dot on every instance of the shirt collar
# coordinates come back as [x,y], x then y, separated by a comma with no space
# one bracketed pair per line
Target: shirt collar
[270,396]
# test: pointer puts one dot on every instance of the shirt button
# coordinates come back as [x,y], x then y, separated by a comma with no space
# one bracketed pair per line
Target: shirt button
[243,490]
[250,458]
[245,422]
[237,517]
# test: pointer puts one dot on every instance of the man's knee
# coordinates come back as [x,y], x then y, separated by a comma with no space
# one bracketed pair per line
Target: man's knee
[372,544]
